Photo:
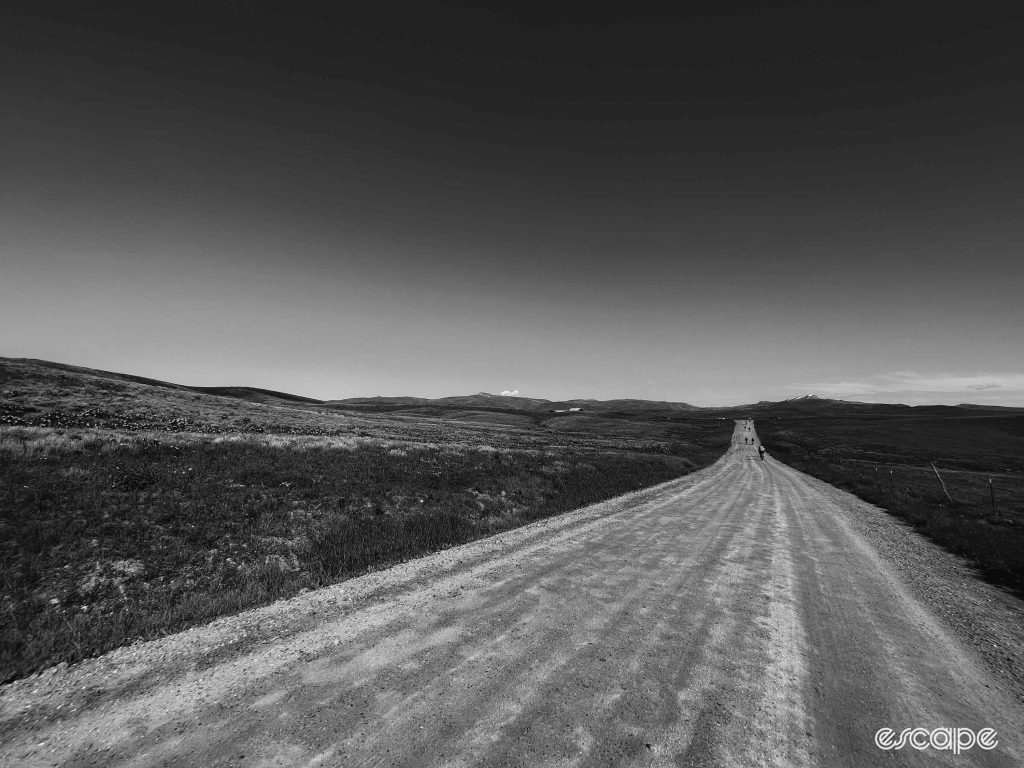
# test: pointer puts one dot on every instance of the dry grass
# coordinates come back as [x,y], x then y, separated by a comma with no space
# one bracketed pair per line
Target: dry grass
[131,510]
[887,461]
[106,537]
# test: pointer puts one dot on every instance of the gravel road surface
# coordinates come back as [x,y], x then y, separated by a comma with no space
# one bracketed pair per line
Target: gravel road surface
[745,615]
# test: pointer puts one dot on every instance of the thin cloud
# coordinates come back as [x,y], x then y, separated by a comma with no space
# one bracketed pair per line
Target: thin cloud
[510,392]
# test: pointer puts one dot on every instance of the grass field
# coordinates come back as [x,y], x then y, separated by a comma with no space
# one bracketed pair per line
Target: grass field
[129,510]
[888,462]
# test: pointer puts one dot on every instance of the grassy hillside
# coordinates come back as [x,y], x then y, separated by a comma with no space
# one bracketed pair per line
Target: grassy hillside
[131,508]
[40,394]
[887,460]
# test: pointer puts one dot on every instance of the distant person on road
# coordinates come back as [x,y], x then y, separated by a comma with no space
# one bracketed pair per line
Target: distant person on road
[760,450]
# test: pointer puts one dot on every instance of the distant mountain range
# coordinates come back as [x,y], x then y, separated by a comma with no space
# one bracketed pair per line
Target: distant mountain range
[808,405]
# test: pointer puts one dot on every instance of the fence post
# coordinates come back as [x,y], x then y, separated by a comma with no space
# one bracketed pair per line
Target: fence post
[936,469]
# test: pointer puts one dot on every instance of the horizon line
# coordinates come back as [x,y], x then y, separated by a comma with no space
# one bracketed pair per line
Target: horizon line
[517,396]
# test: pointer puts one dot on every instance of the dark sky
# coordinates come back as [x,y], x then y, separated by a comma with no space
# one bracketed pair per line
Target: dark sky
[754,201]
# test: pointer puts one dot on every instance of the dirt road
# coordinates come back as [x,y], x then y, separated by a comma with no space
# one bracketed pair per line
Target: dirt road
[739,616]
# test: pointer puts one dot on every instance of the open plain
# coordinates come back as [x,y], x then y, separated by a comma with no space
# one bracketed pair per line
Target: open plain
[742,615]
[379,384]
